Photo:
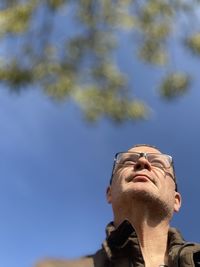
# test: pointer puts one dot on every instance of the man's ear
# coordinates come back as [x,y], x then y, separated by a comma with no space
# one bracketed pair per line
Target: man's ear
[177,201]
[108,195]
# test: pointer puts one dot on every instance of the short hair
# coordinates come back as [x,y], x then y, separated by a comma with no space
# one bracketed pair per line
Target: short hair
[147,145]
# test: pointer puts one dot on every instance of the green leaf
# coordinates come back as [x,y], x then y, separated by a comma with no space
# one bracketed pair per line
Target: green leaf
[174,85]
[193,43]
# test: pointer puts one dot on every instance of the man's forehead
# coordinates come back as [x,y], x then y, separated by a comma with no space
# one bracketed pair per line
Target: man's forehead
[143,148]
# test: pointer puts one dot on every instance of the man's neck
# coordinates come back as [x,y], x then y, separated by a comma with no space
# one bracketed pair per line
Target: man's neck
[152,235]
[153,243]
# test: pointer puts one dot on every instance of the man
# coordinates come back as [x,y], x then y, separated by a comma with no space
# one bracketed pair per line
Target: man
[144,196]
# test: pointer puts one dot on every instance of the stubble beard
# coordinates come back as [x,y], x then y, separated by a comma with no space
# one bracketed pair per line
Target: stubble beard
[158,208]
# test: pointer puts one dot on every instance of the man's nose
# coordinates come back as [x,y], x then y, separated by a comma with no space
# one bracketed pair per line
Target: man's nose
[142,163]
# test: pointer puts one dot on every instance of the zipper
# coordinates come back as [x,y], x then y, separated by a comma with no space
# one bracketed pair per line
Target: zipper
[130,263]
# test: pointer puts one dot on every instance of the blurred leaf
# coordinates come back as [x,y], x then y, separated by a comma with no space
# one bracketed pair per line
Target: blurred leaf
[153,8]
[15,19]
[174,85]
[157,31]
[152,52]
[55,4]
[95,103]
[16,77]
[193,43]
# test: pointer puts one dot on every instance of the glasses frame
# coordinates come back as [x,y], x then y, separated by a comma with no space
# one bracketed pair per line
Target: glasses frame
[144,154]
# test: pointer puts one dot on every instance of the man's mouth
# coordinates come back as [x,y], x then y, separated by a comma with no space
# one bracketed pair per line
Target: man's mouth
[140,177]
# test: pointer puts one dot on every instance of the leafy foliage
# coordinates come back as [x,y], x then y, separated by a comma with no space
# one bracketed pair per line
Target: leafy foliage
[193,43]
[175,84]
[80,63]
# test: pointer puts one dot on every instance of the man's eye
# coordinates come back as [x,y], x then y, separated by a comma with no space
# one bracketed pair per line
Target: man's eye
[129,162]
[158,164]
[126,161]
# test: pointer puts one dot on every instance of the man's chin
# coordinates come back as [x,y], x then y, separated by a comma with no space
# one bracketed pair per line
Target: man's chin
[149,199]
[147,194]
[142,187]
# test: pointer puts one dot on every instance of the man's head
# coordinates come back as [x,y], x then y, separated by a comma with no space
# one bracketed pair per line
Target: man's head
[143,175]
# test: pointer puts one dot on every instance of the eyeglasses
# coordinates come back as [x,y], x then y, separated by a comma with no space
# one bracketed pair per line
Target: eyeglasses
[161,161]
[157,160]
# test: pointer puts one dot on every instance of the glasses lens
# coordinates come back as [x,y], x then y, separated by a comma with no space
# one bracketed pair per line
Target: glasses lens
[127,158]
[159,160]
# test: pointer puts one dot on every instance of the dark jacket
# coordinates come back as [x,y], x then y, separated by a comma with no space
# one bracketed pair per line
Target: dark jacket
[121,249]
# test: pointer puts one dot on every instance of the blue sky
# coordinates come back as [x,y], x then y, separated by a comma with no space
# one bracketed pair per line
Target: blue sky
[54,167]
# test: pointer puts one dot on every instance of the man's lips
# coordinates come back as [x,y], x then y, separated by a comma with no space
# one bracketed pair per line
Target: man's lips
[140,177]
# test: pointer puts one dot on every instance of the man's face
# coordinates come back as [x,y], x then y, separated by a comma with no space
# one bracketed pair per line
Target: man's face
[143,181]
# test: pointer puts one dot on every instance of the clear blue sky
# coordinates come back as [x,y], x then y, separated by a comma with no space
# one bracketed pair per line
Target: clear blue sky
[54,167]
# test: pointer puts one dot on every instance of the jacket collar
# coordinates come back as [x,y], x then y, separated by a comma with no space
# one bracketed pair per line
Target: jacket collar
[123,241]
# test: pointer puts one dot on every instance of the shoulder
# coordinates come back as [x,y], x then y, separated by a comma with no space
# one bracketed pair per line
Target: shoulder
[189,254]
[81,262]
[99,259]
